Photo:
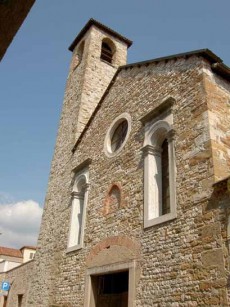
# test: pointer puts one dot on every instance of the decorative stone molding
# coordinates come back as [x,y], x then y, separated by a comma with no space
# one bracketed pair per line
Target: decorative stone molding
[78,210]
[107,143]
[171,135]
[127,242]
[77,195]
[129,266]
[155,134]
[126,258]
[152,150]
[86,187]
[163,105]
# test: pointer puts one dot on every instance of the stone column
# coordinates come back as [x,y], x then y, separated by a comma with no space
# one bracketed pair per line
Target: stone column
[172,170]
[152,181]
[76,218]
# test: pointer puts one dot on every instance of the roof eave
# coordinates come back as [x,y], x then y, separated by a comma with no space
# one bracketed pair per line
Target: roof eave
[222,70]
[206,53]
[96,23]
[217,64]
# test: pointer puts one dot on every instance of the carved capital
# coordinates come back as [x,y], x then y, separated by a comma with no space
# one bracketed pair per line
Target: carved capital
[86,187]
[77,195]
[152,150]
[170,135]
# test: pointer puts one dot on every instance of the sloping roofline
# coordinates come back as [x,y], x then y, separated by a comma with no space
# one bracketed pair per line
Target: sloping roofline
[206,53]
[99,25]
[28,247]
[217,66]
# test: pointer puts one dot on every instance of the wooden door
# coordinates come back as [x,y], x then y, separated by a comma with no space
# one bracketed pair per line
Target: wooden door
[113,300]
[111,290]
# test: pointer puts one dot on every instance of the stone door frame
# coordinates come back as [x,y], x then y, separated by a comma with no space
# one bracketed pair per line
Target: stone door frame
[111,268]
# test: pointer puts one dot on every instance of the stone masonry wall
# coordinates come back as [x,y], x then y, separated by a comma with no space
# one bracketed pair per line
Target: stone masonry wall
[48,253]
[182,262]
[174,258]
[218,98]
[97,73]
[20,281]
[219,206]
[2,278]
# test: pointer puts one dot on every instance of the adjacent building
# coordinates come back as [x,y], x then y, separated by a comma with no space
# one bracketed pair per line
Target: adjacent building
[16,269]
[11,257]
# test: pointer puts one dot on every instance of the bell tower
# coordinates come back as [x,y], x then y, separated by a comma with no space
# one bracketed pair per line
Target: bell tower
[97,53]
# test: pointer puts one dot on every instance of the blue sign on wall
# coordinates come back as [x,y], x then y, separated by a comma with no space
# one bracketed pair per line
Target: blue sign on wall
[5,286]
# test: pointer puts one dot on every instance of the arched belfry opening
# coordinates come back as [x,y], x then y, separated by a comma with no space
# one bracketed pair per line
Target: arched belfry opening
[107,50]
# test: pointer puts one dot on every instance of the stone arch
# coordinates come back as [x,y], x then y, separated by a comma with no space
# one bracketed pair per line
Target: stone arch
[114,199]
[78,211]
[104,252]
[157,133]
[80,184]
[108,50]
[110,256]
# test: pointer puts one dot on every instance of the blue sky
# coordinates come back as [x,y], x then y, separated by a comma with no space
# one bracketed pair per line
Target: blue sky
[34,70]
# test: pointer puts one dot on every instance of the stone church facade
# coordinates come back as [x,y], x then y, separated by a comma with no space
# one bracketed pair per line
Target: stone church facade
[137,208]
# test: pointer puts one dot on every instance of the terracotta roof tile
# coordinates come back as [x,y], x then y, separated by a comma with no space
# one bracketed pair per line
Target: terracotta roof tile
[12,252]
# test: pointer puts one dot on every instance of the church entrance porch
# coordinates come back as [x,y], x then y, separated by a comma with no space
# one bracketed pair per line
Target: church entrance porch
[111,290]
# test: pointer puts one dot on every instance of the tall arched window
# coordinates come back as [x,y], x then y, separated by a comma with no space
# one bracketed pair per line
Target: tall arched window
[159,174]
[78,210]
[107,50]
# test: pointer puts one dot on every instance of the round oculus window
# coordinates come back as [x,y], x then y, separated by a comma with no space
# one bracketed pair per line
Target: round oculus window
[117,135]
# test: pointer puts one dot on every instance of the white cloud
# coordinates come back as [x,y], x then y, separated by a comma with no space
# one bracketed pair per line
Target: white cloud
[19,223]
[6,198]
